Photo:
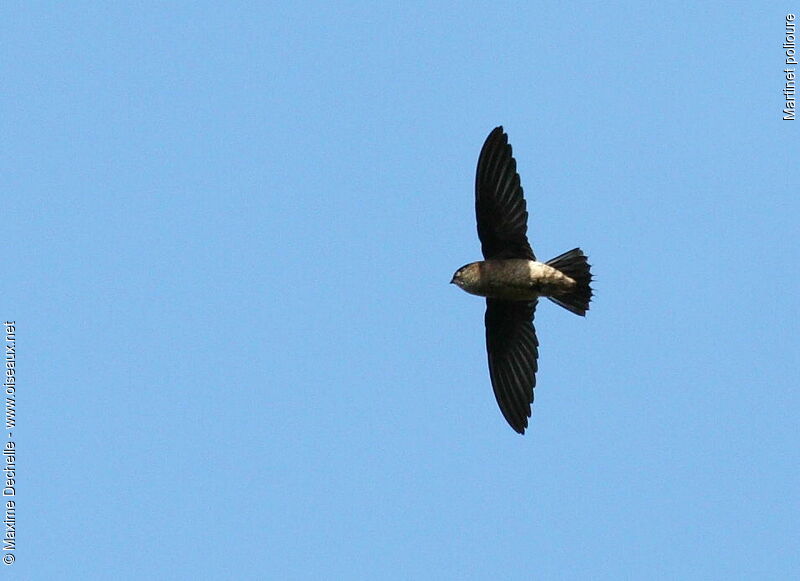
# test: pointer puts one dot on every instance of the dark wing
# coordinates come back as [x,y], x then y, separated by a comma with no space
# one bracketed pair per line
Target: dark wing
[499,203]
[513,350]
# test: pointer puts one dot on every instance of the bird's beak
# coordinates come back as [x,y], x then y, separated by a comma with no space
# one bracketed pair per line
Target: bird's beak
[453,280]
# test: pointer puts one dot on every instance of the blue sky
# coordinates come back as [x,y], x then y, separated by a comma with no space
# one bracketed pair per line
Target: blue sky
[228,232]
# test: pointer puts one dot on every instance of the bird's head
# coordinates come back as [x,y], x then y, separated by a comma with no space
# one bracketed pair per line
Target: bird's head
[467,277]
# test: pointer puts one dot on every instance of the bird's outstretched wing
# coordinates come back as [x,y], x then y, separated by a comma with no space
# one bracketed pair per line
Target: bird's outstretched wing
[499,203]
[513,350]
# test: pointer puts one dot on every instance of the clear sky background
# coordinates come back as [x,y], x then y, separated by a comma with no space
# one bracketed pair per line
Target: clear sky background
[228,232]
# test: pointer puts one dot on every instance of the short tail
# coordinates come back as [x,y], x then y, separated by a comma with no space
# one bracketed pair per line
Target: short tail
[574,265]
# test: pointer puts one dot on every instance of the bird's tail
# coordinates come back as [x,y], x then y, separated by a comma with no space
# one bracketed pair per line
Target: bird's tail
[575,266]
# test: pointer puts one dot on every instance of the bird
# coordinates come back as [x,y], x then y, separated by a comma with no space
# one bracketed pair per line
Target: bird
[512,280]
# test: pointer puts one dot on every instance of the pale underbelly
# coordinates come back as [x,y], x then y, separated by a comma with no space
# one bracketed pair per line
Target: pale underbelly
[517,283]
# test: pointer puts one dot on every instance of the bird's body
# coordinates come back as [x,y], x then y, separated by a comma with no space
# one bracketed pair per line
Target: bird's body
[512,280]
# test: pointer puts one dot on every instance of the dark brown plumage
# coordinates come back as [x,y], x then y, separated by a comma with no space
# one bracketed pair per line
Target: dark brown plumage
[512,280]
[499,203]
